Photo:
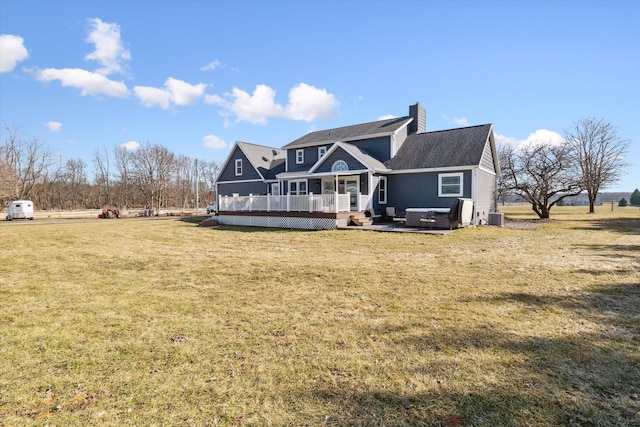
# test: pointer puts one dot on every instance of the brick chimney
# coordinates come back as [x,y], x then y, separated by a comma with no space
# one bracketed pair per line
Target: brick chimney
[419,114]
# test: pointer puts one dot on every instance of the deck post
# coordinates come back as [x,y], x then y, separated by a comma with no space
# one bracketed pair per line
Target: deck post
[250,202]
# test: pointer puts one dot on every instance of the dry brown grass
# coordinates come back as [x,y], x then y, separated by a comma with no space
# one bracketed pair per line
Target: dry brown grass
[130,322]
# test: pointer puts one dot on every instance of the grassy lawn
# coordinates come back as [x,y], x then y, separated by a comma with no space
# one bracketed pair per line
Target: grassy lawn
[145,322]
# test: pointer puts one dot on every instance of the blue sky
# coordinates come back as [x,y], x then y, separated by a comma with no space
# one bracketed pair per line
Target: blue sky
[196,76]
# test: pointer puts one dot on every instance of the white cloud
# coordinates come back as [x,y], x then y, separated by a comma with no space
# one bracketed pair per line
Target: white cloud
[131,145]
[183,93]
[543,136]
[306,103]
[502,140]
[89,83]
[309,103]
[217,100]
[462,121]
[110,52]
[255,108]
[53,126]
[540,136]
[153,96]
[175,91]
[214,142]
[387,116]
[13,51]
[212,65]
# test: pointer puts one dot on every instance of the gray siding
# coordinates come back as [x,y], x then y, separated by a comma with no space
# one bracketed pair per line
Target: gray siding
[485,195]
[378,148]
[339,154]
[229,172]
[242,188]
[401,136]
[310,158]
[420,190]
[487,158]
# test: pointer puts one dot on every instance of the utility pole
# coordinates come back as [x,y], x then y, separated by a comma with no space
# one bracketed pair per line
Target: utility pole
[197,186]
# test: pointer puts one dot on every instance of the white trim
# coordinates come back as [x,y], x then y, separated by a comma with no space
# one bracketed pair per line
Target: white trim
[300,156]
[305,175]
[322,147]
[297,181]
[340,162]
[382,179]
[448,175]
[353,155]
[483,169]
[237,181]
[235,167]
[427,170]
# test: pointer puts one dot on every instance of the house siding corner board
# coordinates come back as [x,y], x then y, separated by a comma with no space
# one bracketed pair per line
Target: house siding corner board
[420,190]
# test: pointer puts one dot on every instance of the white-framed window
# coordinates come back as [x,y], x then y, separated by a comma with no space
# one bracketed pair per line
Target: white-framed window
[382,190]
[450,184]
[322,151]
[339,166]
[298,188]
[299,157]
[238,167]
[275,189]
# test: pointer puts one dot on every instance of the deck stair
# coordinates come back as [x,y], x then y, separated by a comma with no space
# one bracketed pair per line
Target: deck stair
[359,219]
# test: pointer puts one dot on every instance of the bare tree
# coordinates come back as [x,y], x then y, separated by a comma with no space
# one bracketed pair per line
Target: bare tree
[102,176]
[8,175]
[153,166]
[124,165]
[184,178]
[542,174]
[24,163]
[74,184]
[208,173]
[600,152]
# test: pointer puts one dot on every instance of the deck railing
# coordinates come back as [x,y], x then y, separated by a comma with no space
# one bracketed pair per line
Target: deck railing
[305,203]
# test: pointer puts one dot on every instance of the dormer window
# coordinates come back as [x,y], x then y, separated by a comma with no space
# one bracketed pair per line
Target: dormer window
[299,157]
[321,152]
[339,166]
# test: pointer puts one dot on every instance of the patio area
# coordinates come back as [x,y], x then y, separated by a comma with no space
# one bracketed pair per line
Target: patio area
[388,227]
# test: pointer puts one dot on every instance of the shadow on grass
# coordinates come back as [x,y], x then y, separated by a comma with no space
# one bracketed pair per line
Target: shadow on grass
[490,375]
[618,225]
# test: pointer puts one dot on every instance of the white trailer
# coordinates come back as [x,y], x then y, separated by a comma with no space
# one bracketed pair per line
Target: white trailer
[20,209]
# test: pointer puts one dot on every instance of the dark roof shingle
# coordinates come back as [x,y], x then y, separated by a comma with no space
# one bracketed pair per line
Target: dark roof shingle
[347,133]
[441,149]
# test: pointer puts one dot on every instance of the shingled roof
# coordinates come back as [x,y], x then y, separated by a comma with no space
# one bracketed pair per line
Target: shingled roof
[267,160]
[441,149]
[347,133]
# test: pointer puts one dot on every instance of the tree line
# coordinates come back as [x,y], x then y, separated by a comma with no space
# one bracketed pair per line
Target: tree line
[590,158]
[150,176]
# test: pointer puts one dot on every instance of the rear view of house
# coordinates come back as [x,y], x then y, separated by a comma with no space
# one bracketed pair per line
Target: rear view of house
[318,180]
